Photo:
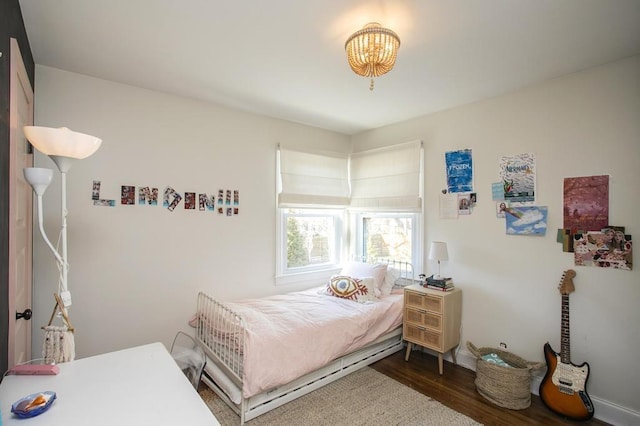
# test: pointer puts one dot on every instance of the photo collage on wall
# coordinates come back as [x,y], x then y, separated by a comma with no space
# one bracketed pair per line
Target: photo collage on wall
[587,232]
[228,200]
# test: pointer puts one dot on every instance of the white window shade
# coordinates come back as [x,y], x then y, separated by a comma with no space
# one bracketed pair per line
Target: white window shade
[313,179]
[388,178]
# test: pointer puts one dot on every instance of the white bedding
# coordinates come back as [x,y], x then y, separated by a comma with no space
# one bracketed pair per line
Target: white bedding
[293,334]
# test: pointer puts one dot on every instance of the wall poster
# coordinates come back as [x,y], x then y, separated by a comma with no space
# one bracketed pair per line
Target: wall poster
[586,203]
[459,167]
[518,174]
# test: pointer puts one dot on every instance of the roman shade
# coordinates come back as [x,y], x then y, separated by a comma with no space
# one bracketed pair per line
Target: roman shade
[312,179]
[389,178]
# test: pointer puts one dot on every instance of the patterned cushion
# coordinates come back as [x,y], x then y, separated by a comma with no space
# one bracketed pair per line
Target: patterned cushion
[356,289]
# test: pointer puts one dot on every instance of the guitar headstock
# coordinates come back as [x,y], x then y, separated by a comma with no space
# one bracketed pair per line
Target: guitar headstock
[566,283]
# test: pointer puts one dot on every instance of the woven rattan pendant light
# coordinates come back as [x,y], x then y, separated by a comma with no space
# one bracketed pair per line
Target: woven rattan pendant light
[372,51]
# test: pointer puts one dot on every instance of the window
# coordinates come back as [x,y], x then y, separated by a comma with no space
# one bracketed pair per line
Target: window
[380,190]
[389,235]
[313,239]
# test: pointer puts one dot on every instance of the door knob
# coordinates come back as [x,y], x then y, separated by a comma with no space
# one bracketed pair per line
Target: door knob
[26,314]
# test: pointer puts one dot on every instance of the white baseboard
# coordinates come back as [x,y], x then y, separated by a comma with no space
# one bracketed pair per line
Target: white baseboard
[604,410]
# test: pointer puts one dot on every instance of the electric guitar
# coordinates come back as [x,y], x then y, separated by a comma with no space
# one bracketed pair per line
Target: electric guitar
[564,387]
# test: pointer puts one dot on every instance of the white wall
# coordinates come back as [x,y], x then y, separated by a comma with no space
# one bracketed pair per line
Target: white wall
[135,270]
[580,125]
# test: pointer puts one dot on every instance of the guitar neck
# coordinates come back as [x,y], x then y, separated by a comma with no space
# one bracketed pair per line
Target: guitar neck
[565,347]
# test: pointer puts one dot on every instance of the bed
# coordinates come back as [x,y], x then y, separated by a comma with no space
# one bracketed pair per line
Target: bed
[263,353]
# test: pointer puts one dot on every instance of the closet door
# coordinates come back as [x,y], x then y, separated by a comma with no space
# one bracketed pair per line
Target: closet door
[20,212]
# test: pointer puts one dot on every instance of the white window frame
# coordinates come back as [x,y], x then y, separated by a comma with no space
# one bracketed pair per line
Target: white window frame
[417,251]
[312,273]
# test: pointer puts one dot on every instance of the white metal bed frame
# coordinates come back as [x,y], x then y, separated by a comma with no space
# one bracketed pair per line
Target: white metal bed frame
[222,353]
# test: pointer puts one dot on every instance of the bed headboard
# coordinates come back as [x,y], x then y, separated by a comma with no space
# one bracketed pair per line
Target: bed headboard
[405,268]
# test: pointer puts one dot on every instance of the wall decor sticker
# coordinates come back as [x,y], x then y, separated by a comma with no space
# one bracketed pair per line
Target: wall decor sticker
[205,202]
[128,195]
[518,174]
[586,203]
[459,169]
[95,192]
[95,196]
[147,196]
[609,248]
[526,220]
[189,200]
[171,198]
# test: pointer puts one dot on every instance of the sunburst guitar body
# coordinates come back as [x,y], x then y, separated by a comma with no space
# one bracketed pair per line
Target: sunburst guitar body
[564,387]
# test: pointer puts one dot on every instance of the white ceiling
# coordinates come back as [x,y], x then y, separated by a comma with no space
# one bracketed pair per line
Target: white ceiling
[286,59]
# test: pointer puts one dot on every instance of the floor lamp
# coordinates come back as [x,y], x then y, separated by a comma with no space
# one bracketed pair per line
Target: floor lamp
[63,146]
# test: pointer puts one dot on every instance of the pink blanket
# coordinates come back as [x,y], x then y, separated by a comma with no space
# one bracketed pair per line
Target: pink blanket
[293,334]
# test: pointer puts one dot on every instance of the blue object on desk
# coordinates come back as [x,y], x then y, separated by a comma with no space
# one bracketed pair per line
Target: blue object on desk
[20,407]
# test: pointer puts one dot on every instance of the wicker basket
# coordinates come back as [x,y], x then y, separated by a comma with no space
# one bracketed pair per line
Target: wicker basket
[508,387]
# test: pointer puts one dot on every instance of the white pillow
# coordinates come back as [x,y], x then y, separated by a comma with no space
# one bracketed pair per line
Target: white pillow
[363,270]
[390,279]
[357,289]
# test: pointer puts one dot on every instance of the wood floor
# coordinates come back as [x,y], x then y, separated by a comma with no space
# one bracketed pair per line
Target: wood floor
[456,389]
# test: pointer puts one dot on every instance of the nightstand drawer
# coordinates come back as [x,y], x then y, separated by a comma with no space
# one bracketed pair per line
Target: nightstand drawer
[423,318]
[423,301]
[423,336]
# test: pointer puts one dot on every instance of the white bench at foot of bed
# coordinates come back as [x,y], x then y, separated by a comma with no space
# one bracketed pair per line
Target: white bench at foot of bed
[250,408]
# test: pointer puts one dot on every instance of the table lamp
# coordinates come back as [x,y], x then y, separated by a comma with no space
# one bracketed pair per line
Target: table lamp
[438,252]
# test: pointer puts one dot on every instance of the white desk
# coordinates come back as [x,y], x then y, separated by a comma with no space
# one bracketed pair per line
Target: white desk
[137,386]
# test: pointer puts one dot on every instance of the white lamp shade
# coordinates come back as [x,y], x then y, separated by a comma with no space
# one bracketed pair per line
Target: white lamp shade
[438,251]
[38,178]
[62,142]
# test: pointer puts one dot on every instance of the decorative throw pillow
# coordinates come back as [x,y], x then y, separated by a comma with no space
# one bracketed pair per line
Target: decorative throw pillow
[357,289]
[362,270]
[390,279]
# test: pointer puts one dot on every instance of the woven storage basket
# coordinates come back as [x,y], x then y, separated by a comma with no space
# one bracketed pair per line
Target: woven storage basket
[508,387]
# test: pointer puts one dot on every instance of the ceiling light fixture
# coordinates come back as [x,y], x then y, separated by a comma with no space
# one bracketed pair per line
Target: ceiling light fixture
[372,51]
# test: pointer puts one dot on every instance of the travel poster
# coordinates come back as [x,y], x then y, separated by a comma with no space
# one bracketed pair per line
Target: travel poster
[586,203]
[526,220]
[459,165]
[518,174]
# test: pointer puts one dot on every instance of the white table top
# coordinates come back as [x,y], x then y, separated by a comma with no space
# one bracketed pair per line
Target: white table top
[137,386]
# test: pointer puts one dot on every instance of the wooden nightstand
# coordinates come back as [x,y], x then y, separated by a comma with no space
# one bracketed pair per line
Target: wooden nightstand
[432,320]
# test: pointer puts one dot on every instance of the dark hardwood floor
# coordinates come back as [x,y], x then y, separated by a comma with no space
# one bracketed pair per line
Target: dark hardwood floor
[456,389]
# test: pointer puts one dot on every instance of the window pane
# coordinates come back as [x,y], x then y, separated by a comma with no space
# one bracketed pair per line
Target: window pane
[387,237]
[309,240]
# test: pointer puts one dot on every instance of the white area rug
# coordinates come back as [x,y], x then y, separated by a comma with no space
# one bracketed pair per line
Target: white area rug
[365,397]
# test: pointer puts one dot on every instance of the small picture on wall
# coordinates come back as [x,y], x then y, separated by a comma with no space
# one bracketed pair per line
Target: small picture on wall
[464,204]
[526,220]
[501,208]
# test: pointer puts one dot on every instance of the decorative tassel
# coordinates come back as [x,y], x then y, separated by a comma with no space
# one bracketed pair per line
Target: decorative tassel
[59,345]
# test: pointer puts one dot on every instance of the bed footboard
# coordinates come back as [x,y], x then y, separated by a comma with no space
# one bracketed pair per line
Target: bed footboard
[221,332]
